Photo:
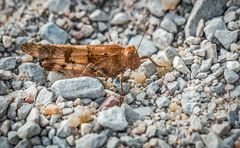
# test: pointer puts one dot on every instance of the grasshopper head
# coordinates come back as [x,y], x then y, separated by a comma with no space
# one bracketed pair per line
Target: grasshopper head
[131,57]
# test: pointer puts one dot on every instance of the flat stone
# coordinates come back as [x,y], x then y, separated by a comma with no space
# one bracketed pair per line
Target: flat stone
[34,115]
[120,18]
[155,7]
[83,87]
[146,44]
[206,64]
[53,34]
[235,92]
[13,137]
[113,118]
[171,52]
[91,141]
[5,101]
[64,130]
[28,130]
[33,71]
[169,25]
[221,129]
[3,88]
[205,10]
[232,37]
[213,25]
[23,111]
[44,97]
[99,15]
[162,101]
[172,87]
[179,64]
[8,63]
[233,65]
[230,76]
[131,115]
[162,38]
[58,6]
[60,142]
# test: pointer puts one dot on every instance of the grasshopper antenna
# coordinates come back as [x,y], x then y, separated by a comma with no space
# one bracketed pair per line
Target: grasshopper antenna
[145,30]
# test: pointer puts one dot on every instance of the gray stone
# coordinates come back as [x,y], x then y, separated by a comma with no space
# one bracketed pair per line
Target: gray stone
[113,118]
[232,117]
[91,141]
[233,26]
[99,15]
[83,87]
[221,129]
[152,88]
[230,16]
[230,76]
[5,75]
[13,137]
[171,52]
[157,142]
[179,64]
[232,37]
[213,25]
[60,142]
[233,65]
[148,68]
[28,130]
[64,130]
[113,142]
[8,63]
[162,38]
[206,64]
[25,143]
[120,18]
[213,141]
[162,101]
[189,107]
[43,121]
[5,101]
[53,34]
[169,25]
[44,97]
[34,115]
[5,127]
[146,44]
[199,52]
[58,6]
[130,141]
[172,87]
[3,88]
[236,92]
[23,111]
[45,141]
[203,9]
[228,142]
[71,140]
[131,115]
[219,89]
[211,51]
[33,71]
[200,28]
[155,7]
[181,83]
[144,111]
[4,142]
[7,41]
[192,40]
[195,123]
[151,131]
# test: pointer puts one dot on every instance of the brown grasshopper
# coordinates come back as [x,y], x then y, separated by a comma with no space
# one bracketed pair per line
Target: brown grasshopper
[87,60]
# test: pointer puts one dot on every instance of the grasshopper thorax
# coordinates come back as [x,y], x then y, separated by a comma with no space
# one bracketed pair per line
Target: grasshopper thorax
[131,57]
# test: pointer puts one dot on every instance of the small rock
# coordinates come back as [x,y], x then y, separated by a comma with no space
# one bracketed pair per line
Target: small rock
[221,129]
[236,92]
[53,34]
[169,4]
[5,75]
[87,30]
[58,6]
[4,105]
[99,15]
[64,130]
[206,64]
[180,65]
[120,18]
[171,52]
[113,142]
[151,131]
[152,88]
[230,16]
[24,143]
[155,7]
[28,130]
[213,25]
[169,25]
[148,68]
[139,77]
[232,37]
[70,140]
[91,141]
[43,121]
[60,142]
[162,38]
[33,71]
[13,137]
[8,63]
[34,115]
[144,111]
[233,65]
[233,26]
[213,140]
[45,141]
[12,111]
[44,97]
[195,123]
[162,101]
[3,88]
[199,52]
[23,111]
[232,117]
[189,107]
[7,41]
[113,118]
[230,76]
[172,87]
[131,115]
[192,40]
[5,127]
[83,87]
[146,44]
[86,128]
[4,142]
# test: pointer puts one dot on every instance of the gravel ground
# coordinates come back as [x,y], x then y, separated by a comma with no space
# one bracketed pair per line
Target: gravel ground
[193,102]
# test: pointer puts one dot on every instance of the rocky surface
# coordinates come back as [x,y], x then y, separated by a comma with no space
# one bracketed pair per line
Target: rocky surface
[191,101]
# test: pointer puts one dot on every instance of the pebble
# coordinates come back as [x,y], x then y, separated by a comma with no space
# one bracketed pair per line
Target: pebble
[146,44]
[91,141]
[206,64]
[58,6]
[64,130]
[155,7]
[144,111]
[23,111]
[179,64]
[226,42]
[8,63]
[53,34]
[195,123]
[5,102]
[199,52]
[99,15]
[33,71]
[213,25]
[113,142]
[152,88]
[205,10]
[3,88]
[34,115]
[172,87]
[162,38]
[130,114]
[235,92]
[113,118]
[60,142]
[24,143]
[13,137]
[5,75]
[83,87]
[171,52]
[213,140]
[221,129]
[192,40]
[230,76]
[232,117]
[120,18]
[169,26]
[5,127]
[169,4]
[230,16]
[233,65]
[7,41]
[148,68]
[162,101]
[189,107]
[44,97]
[28,130]
[233,26]
[4,142]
